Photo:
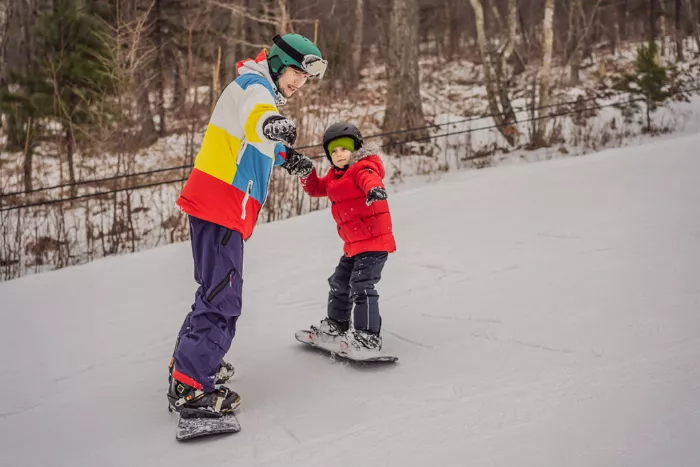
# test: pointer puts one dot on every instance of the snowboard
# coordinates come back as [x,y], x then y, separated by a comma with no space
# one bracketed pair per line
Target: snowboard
[194,423]
[306,337]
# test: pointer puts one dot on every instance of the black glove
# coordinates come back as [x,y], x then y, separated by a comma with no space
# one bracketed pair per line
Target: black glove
[297,164]
[376,194]
[279,128]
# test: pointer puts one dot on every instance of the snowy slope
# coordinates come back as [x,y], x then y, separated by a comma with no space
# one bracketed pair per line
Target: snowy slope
[545,314]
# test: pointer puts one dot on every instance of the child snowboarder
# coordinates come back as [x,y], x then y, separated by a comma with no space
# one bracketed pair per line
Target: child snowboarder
[354,185]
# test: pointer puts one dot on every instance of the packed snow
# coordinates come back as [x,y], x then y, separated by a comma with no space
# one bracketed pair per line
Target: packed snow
[544,314]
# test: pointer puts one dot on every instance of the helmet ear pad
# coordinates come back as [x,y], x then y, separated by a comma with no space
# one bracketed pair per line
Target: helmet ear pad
[276,66]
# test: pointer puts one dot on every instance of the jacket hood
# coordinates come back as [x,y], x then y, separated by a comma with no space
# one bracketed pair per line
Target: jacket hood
[260,67]
[368,149]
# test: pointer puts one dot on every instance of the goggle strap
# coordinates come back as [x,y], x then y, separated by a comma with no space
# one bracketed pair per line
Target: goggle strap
[288,49]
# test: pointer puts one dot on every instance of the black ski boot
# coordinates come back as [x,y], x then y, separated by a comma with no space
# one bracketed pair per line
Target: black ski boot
[183,397]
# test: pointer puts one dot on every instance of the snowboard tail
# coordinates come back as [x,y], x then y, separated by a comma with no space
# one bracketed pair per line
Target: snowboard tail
[195,423]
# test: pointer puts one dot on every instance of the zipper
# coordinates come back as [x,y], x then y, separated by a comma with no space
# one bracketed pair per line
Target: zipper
[269,179]
[227,237]
[220,286]
[245,198]
[241,150]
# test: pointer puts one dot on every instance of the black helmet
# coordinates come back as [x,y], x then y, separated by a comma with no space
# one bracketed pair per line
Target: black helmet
[338,130]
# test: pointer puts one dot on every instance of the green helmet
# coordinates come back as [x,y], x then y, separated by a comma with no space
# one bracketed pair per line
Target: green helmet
[297,51]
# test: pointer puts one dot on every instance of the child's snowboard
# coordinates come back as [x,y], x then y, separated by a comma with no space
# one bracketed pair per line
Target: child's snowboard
[198,423]
[306,337]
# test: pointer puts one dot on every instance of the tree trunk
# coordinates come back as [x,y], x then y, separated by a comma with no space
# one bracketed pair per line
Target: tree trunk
[455,27]
[511,27]
[513,37]
[547,41]
[693,17]
[147,133]
[178,102]
[284,23]
[358,32]
[525,32]
[652,20]
[403,105]
[28,169]
[622,11]
[28,156]
[503,117]
[228,73]
[158,27]
[662,26]
[5,17]
[139,78]
[680,33]
[613,30]
[575,32]
[501,81]
[70,150]
[70,142]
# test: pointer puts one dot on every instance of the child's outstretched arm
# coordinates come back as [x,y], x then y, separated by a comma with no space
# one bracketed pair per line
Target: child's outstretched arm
[313,185]
[372,184]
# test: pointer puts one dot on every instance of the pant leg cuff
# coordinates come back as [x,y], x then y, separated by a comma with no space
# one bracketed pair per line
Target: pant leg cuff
[183,378]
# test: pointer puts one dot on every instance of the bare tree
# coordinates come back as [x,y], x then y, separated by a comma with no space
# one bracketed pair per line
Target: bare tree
[680,35]
[157,34]
[358,33]
[693,17]
[622,15]
[662,25]
[496,88]
[131,31]
[576,16]
[17,50]
[403,102]
[653,17]
[5,15]
[285,19]
[547,41]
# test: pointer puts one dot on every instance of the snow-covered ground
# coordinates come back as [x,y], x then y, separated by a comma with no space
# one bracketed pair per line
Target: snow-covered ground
[544,314]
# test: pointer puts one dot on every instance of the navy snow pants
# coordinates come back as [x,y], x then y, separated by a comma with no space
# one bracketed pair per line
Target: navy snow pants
[208,330]
[353,283]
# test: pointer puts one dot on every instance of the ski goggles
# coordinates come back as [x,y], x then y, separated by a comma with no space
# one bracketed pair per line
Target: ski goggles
[311,64]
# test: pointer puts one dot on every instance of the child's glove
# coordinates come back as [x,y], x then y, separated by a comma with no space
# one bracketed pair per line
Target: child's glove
[376,194]
[279,128]
[297,164]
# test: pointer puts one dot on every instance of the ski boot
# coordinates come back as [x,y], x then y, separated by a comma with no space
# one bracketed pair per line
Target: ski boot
[329,331]
[361,343]
[184,398]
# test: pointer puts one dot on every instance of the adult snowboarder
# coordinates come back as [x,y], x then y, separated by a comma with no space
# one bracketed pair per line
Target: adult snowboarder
[246,136]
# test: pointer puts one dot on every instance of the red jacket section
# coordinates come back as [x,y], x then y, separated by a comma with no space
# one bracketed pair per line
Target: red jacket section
[362,228]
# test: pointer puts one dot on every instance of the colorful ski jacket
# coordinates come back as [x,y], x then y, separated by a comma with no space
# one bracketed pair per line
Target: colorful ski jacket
[232,170]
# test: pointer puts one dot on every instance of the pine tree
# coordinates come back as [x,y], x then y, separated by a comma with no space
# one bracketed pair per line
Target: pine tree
[650,81]
[70,77]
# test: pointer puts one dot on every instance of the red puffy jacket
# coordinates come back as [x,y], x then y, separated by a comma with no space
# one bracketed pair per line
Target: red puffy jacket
[362,228]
